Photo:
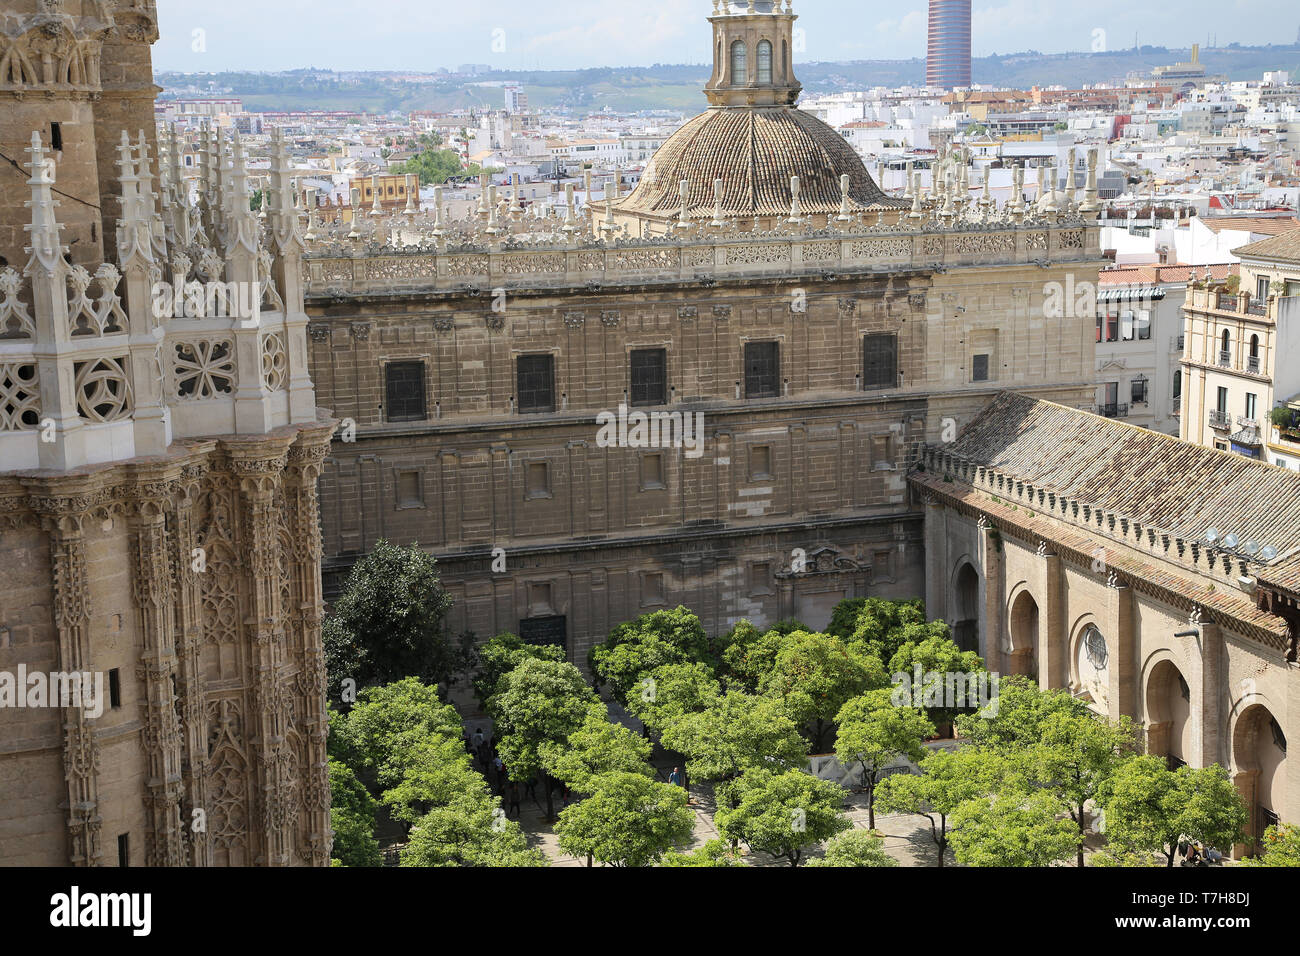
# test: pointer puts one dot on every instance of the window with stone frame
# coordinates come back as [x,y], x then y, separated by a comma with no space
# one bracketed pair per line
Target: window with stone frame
[538,475]
[536,383]
[652,472]
[762,369]
[649,377]
[410,490]
[879,360]
[980,368]
[404,392]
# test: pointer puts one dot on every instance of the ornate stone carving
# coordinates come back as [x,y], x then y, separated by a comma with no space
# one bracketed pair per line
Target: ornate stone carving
[275,362]
[204,368]
[103,389]
[20,396]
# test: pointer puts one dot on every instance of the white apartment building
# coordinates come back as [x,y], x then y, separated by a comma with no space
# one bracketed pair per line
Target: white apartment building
[1243,355]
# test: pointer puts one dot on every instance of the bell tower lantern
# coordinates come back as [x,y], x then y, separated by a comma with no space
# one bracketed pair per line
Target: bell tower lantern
[752,54]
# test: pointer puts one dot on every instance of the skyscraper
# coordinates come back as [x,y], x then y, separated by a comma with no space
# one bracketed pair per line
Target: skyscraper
[947,63]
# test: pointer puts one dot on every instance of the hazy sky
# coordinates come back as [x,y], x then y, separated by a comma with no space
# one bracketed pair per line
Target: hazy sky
[204,35]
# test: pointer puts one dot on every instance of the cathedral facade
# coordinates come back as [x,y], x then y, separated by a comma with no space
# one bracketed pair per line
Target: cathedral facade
[759,288]
[161,674]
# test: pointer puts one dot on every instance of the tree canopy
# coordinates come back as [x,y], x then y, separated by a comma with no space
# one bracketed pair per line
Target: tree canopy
[389,623]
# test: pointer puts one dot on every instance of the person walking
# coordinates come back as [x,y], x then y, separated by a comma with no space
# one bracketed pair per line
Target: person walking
[514,801]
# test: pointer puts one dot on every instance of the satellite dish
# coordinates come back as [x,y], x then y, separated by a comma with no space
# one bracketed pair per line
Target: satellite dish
[1229,540]
[1267,553]
[1250,547]
[1212,535]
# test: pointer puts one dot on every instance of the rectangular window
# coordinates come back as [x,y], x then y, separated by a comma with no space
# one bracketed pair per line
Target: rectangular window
[56,136]
[880,361]
[404,391]
[1099,325]
[1251,405]
[1138,392]
[760,463]
[649,368]
[1142,322]
[124,850]
[539,480]
[1112,327]
[1222,403]
[652,588]
[1261,288]
[980,369]
[652,472]
[1126,326]
[762,370]
[114,688]
[410,491]
[536,383]
[882,458]
[544,630]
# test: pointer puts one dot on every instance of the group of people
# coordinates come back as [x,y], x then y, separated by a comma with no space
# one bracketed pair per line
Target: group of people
[1194,853]
[483,749]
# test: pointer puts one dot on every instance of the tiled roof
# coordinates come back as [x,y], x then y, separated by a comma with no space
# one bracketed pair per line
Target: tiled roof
[1155,274]
[1285,246]
[755,152]
[1216,600]
[1156,480]
[1262,225]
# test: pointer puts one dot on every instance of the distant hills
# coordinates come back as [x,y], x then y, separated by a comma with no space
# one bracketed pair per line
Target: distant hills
[677,87]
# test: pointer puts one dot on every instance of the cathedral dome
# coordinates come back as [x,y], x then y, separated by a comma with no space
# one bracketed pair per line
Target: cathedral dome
[752,139]
[754,152]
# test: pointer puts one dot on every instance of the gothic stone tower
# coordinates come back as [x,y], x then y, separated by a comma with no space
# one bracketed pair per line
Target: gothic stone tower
[158,514]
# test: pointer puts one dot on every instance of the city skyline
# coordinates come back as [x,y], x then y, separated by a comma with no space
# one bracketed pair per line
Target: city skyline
[402,35]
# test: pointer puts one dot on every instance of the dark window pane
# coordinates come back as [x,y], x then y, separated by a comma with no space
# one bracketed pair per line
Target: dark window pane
[880,361]
[649,377]
[404,384]
[762,370]
[980,371]
[536,383]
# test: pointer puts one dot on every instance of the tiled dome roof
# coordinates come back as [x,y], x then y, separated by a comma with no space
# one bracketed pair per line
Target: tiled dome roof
[755,151]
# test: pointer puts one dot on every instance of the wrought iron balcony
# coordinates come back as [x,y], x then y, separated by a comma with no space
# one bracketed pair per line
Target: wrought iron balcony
[1252,364]
[1220,419]
[1225,358]
[1113,410]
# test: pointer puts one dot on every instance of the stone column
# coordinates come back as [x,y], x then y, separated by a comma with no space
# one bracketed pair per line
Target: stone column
[191,565]
[1052,668]
[64,523]
[162,737]
[306,459]
[993,636]
[1123,667]
[260,494]
[936,560]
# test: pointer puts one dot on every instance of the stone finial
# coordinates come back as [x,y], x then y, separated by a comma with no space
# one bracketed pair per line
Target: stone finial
[438,230]
[568,209]
[46,247]
[844,215]
[794,201]
[683,217]
[717,204]
[1090,205]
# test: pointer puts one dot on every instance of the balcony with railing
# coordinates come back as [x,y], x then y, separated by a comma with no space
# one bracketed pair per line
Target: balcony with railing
[1220,419]
[1236,303]
[1225,358]
[1252,364]
[1113,410]
[1285,419]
